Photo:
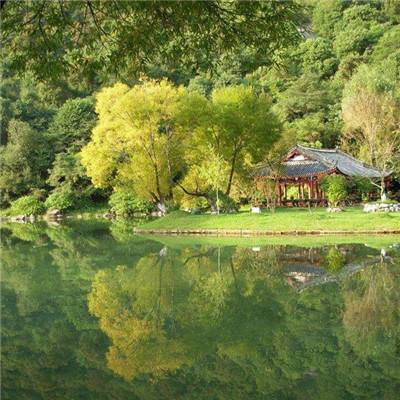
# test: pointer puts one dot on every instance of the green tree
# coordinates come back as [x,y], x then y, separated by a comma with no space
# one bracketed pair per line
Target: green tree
[24,161]
[71,126]
[335,188]
[359,29]
[237,124]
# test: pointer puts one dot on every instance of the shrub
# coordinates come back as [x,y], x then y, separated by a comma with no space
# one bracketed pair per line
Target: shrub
[363,186]
[27,205]
[226,204]
[335,188]
[61,200]
[194,203]
[126,204]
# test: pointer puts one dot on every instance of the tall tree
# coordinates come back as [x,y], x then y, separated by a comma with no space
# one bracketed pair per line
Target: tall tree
[136,142]
[371,115]
[24,161]
[237,124]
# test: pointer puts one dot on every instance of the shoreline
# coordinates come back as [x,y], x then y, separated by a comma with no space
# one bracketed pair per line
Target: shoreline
[250,232]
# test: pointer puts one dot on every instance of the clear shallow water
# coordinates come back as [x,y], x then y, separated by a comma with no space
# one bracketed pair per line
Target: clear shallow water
[90,311]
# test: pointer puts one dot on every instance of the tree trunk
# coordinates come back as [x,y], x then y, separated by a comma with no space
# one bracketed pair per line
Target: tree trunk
[228,189]
[217,202]
[383,195]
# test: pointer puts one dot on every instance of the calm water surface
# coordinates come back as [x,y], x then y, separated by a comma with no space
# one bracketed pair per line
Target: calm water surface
[90,311]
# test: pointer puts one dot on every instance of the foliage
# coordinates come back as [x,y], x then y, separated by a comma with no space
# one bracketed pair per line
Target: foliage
[371,114]
[334,260]
[71,126]
[363,186]
[127,204]
[137,127]
[27,205]
[225,203]
[358,30]
[85,39]
[22,160]
[68,172]
[236,127]
[214,172]
[335,84]
[205,316]
[335,188]
[61,199]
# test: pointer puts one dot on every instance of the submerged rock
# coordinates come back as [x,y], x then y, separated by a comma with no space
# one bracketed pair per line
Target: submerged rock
[19,218]
[54,214]
[109,215]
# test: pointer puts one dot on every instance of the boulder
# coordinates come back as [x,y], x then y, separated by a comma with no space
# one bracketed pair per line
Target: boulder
[109,215]
[53,214]
[381,207]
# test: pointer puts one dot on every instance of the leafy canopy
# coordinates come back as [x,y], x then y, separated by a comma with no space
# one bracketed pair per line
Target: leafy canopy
[236,127]
[136,143]
[87,38]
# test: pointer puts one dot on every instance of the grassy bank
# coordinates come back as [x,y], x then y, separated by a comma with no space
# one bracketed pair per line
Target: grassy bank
[282,220]
[375,241]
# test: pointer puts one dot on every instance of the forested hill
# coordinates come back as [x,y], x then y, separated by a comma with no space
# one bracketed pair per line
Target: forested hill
[345,47]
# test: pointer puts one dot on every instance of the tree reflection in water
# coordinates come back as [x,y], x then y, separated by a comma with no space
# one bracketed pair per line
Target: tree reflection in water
[97,314]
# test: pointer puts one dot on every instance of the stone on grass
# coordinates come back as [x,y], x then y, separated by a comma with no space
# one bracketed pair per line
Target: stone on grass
[381,207]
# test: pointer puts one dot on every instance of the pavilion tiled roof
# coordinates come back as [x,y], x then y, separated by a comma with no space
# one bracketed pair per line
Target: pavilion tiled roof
[320,162]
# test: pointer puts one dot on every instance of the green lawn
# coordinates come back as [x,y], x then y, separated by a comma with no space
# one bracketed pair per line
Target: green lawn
[283,220]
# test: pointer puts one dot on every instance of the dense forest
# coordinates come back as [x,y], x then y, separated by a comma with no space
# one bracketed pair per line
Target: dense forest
[170,120]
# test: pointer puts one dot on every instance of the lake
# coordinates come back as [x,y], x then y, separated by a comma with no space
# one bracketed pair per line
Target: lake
[91,311]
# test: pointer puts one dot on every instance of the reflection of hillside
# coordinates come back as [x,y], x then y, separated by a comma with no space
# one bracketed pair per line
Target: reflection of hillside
[89,314]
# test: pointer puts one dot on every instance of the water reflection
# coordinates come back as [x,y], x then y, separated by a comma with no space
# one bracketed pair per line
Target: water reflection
[90,311]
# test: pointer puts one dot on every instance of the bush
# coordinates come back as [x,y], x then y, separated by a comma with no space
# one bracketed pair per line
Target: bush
[61,200]
[27,205]
[126,204]
[226,204]
[363,187]
[335,188]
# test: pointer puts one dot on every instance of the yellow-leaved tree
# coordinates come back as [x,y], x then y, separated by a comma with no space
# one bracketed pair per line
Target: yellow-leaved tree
[230,132]
[136,143]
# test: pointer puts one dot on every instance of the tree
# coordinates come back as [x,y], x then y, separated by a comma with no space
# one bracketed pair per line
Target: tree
[70,128]
[317,57]
[237,124]
[359,29]
[213,173]
[371,115]
[137,143]
[98,37]
[335,187]
[24,161]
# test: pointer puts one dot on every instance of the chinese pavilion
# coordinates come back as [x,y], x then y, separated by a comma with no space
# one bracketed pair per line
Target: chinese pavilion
[302,169]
